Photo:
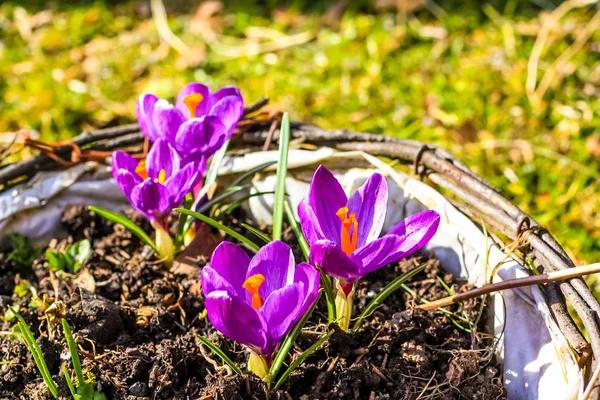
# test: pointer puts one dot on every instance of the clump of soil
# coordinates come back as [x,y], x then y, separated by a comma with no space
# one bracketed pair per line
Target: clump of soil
[135,322]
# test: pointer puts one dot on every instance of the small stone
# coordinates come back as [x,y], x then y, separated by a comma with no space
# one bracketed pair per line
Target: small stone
[400,318]
[138,389]
[4,300]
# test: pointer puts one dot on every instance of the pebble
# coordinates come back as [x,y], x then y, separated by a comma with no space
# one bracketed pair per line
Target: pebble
[401,318]
[138,389]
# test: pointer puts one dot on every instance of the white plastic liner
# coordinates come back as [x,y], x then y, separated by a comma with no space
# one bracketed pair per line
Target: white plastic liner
[538,363]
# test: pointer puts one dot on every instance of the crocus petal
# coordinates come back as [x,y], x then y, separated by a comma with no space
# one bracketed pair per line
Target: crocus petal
[213,281]
[334,261]
[237,320]
[203,135]
[184,180]
[418,228]
[369,203]
[230,262]
[379,253]
[151,199]
[309,279]
[276,263]
[309,222]
[191,88]
[326,197]
[228,106]
[121,160]
[144,111]
[162,156]
[280,311]
[167,119]
[127,181]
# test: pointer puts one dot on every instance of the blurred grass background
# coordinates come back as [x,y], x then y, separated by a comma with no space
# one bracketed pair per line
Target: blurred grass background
[511,87]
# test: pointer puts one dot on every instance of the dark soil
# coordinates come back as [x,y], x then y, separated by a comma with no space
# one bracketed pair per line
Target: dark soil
[135,323]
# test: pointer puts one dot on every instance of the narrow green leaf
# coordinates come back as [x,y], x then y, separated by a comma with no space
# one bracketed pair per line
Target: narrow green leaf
[220,226]
[297,231]
[239,202]
[385,292]
[69,382]
[301,359]
[284,145]
[257,233]
[73,350]
[329,295]
[36,352]
[217,350]
[240,179]
[215,164]
[127,223]
[231,191]
[287,344]
[182,222]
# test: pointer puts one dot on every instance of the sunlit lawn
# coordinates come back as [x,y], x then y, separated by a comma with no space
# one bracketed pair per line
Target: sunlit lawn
[454,77]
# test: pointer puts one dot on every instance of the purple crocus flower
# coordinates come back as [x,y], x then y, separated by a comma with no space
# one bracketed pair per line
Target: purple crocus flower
[257,301]
[344,233]
[199,123]
[160,183]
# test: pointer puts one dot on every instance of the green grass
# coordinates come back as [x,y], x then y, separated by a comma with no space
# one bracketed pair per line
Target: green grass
[456,80]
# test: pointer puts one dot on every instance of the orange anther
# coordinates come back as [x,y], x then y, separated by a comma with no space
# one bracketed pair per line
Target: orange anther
[252,285]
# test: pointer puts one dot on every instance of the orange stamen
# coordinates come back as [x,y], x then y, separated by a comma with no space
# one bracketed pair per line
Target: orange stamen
[349,233]
[141,170]
[192,102]
[252,285]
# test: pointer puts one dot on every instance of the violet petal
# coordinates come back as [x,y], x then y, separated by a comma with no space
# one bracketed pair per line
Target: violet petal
[418,229]
[237,320]
[309,223]
[275,261]
[309,279]
[162,156]
[369,203]
[167,119]
[332,259]
[151,199]
[144,112]
[191,88]
[326,197]
[228,106]
[203,135]
[280,310]
[230,262]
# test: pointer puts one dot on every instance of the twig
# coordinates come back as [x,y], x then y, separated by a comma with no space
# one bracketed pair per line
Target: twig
[512,284]
[591,384]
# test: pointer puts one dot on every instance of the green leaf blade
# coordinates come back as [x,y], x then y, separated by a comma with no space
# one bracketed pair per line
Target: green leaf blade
[220,353]
[73,350]
[220,226]
[36,352]
[287,344]
[257,233]
[384,293]
[284,145]
[127,223]
[301,359]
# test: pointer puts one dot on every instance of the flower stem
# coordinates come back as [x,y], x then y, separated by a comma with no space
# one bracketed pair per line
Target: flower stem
[343,307]
[164,244]
[258,366]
